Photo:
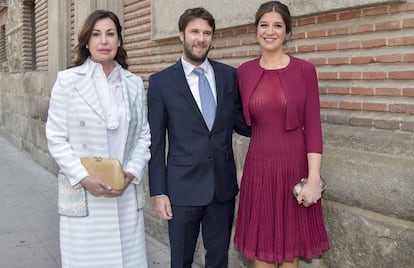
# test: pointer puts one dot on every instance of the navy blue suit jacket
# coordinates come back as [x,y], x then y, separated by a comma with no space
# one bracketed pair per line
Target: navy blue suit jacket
[188,162]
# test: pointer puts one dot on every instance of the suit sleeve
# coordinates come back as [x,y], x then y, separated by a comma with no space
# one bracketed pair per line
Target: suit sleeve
[240,125]
[157,117]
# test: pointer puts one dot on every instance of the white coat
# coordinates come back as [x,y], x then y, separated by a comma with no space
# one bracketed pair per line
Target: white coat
[94,230]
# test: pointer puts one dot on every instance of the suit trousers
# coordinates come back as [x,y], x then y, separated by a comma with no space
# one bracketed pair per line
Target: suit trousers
[216,221]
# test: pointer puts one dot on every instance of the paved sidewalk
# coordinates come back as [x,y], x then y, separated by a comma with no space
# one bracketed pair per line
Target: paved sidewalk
[28,215]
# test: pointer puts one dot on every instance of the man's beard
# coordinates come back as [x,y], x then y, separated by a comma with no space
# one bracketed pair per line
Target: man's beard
[192,57]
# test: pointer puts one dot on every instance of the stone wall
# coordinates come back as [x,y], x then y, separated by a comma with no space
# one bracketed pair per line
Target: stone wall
[364,60]
[14,36]
[24,101]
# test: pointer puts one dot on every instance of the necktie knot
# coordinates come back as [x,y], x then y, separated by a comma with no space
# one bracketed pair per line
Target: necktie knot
[198,71]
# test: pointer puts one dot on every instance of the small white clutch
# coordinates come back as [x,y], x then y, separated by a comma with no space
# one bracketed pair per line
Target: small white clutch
[302,182]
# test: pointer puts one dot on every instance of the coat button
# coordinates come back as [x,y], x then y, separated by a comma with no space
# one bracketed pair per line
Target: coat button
[82,123]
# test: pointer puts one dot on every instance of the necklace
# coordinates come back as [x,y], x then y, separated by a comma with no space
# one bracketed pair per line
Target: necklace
[270,63]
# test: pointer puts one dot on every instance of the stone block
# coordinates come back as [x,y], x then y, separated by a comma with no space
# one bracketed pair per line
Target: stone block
[37,134]
[240,146]
[34,107]
[42,141]
[43,109]
[379,182]
[369,168]
[369,140]
[14,83]
[37,83]
[361,238]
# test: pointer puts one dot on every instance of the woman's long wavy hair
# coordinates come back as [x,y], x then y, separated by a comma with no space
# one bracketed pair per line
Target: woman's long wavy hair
[82,53]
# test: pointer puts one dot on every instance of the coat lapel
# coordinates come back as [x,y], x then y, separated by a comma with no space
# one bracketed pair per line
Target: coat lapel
[86,88]
[129,91]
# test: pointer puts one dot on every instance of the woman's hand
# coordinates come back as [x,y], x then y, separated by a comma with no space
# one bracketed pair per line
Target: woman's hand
[98,187]
[310,193]
[129,177]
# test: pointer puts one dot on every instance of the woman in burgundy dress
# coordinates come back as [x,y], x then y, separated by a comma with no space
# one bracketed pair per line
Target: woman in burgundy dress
[281,102]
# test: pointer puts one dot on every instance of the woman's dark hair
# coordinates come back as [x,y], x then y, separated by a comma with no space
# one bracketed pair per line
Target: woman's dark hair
[195,13]
[82,53]
[278,7]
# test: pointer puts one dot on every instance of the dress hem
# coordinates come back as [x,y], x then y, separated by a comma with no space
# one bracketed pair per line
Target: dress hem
[251,255]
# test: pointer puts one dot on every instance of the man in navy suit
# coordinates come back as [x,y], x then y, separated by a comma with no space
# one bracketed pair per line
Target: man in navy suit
[196,184]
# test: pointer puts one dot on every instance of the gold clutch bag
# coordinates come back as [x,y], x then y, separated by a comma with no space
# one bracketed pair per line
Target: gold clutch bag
[107,169]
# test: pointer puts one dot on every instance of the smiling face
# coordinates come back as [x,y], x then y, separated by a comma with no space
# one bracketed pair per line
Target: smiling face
[104,41]
[271,32]
[196,38]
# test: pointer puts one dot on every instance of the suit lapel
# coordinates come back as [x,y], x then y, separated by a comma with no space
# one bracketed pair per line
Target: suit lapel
[182,85]
[218,74]
[86,88]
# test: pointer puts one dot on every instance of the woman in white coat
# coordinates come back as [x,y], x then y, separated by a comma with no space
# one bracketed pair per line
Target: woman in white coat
[98,108]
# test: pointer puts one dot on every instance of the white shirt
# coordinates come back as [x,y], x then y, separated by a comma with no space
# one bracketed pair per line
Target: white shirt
[192,79]
[109,90]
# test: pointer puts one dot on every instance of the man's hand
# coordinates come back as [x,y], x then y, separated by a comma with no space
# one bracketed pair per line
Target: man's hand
[162,206]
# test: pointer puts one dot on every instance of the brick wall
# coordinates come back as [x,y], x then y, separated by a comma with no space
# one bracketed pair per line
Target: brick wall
[365,64]
[364,58]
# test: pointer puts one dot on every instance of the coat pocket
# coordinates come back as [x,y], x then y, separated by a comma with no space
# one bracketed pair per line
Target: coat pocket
[71,202]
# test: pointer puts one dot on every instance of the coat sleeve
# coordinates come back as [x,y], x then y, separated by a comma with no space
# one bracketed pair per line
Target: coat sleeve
[57,132]
[141,152]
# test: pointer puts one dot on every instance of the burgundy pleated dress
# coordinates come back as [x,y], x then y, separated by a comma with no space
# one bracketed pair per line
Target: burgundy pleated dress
[271,225]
